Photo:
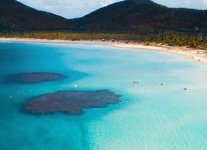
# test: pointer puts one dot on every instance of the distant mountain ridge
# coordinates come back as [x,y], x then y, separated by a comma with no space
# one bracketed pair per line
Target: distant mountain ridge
[138,2]
[19,17]
[127,15]
[143,15]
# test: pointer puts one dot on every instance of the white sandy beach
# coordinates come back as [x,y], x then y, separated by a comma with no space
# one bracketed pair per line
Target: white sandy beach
[195,54]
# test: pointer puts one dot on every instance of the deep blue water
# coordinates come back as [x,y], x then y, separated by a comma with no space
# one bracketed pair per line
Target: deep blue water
[150,116]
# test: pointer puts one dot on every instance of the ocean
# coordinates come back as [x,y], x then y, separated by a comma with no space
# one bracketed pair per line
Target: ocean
[162,106]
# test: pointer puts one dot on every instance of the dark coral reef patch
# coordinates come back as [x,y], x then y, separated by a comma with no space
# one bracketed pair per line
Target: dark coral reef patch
[35,77]
[72,102]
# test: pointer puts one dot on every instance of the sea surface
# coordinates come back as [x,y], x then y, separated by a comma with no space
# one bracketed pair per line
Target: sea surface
[154,114]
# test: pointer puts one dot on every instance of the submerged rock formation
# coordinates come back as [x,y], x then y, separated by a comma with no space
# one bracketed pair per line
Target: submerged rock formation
[35,77]
[72,102]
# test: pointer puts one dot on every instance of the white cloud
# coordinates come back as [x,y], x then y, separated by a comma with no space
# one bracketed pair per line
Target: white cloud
[202,4]
[196,4]
[195,1]
[78,8]
[68,8]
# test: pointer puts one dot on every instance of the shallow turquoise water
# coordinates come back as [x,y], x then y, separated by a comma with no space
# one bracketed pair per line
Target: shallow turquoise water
[149,117]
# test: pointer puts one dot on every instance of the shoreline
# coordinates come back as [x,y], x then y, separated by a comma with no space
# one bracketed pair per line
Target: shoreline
[194,54]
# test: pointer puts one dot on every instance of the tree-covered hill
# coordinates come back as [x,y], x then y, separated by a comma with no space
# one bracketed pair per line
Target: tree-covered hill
[15,16]
[139,15]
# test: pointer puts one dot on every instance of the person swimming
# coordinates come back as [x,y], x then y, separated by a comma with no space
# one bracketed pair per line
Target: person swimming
[135,82]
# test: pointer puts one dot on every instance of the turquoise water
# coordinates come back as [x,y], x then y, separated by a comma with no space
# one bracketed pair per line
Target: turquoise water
[150,116]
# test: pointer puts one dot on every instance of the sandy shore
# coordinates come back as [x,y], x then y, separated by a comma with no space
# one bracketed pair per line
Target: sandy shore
[195,54]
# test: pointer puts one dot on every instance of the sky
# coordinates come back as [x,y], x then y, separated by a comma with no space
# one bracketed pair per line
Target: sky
[79,8]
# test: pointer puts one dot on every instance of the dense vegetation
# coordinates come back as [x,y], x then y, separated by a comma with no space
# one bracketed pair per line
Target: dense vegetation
[123,16]
[139,15]
[168,38]
[14,16]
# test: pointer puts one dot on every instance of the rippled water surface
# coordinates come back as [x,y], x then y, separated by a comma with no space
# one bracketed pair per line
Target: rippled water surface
[154,114]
